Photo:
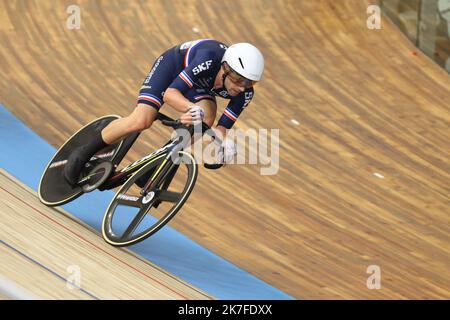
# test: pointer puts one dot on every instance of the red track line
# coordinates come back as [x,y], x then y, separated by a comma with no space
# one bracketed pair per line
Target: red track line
[95,246]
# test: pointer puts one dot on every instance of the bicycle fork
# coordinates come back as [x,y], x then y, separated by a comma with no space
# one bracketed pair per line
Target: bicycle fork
[165,169]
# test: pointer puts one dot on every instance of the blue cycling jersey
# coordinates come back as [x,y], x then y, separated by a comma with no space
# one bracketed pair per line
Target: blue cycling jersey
[191,68]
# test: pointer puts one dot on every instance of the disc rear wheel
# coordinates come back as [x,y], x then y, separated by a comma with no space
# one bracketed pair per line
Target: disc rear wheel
[53,189]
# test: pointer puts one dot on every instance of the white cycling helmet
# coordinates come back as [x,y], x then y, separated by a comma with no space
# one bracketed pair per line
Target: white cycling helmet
[246,60]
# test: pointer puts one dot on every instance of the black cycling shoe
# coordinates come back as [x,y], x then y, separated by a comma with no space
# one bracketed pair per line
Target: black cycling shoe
[80,156]
[75,164]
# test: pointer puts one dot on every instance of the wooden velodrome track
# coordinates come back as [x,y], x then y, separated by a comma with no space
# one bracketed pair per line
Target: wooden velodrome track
[364,178]
[65,246]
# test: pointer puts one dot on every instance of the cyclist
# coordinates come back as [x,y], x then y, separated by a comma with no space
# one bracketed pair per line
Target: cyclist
[188,77]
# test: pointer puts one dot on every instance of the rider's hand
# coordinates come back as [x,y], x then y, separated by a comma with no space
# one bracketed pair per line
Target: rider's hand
[194,115]
[227,152]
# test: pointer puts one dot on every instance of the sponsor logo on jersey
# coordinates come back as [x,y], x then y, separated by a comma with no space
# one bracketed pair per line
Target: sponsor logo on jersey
[224,94]
[202,67]
[186,45]
[189,44]
[248,97]
[150,75]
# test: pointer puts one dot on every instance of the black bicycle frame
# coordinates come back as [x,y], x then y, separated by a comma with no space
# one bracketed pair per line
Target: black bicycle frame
[118,178]
[171,147]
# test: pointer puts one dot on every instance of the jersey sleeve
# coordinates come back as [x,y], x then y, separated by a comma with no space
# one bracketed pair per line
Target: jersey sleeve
[200,67]
[235,108]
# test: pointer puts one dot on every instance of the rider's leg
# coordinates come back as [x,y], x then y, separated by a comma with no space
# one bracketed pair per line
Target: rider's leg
[149,101]
[210,108]
[207,102]
[140,119]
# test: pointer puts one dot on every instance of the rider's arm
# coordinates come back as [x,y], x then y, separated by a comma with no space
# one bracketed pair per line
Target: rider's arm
[235,108]
[175,98]
[222,131]
[200,67]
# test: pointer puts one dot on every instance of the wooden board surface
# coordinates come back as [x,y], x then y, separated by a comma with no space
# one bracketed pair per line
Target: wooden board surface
[43,250]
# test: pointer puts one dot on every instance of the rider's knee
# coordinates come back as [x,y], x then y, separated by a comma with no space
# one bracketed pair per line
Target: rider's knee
[209,118]
[210,108]
[141,118]
[140,124]
[209,121]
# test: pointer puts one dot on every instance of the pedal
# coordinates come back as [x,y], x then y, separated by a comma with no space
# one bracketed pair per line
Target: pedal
[156,204]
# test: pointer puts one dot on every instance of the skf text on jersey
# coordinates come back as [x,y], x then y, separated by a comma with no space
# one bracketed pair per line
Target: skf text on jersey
[202,67]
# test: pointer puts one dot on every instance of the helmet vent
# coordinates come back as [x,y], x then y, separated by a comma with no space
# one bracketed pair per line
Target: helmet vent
[241,63]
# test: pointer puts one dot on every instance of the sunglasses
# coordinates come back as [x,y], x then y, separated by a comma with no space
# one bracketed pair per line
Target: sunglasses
[239,80]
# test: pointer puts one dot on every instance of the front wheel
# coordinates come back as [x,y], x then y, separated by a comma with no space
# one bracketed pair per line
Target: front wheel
[132,217]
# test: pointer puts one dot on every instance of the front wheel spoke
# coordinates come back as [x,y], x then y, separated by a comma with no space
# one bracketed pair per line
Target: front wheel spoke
[127,200]
[136,221]
[169,196]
